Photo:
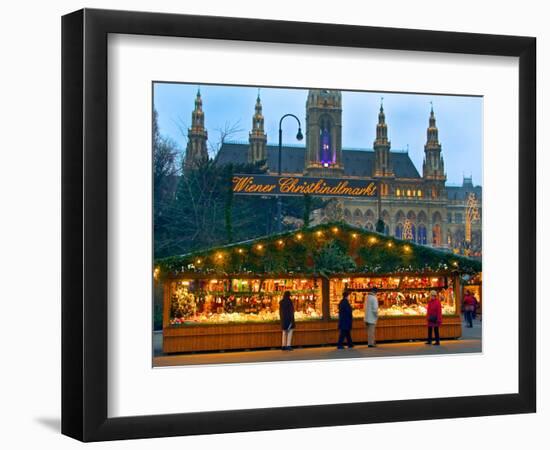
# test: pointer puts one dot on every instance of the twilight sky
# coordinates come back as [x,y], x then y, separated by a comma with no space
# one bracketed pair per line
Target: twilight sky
[459,120]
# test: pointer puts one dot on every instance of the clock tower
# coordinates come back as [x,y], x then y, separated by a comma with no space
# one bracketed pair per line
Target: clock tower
[324,133]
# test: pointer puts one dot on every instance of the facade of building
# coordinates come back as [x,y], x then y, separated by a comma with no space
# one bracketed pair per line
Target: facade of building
[414,206]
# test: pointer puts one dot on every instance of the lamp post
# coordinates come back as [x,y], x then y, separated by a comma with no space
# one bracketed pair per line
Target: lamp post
[299,136]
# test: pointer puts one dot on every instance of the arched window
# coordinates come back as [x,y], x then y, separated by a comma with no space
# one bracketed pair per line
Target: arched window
[326,152]
[436,235]
[422,217]
[369,226]
[422,234]
[400,217]
[398,231]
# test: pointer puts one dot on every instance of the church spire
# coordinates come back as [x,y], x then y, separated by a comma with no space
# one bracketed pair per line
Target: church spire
[433,166]
[381,127]
[257,136]
[432,129]
[197,136]
[197,116]
[382,163]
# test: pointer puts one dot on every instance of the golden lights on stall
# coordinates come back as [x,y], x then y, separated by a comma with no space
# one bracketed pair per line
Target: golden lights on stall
[356,238]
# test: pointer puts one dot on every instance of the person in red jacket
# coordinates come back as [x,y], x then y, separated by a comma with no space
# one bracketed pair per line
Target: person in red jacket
[469,303]
[434,317]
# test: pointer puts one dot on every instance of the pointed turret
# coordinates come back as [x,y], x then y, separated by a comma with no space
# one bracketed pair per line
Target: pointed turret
[257,136]
[382,163]
[197,136]
[433,166]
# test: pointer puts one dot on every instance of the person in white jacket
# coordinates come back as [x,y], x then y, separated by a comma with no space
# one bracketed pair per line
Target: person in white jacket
[371,316]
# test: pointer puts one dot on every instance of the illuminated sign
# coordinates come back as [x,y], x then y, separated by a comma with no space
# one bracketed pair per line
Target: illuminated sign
[285,185]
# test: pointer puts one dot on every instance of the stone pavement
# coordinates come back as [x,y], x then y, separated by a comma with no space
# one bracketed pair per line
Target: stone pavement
[470,342]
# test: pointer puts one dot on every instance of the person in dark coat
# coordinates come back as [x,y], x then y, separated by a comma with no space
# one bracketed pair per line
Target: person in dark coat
[286,313]
[345,321]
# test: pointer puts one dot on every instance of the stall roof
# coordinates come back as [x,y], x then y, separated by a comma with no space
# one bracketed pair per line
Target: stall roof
[332,248]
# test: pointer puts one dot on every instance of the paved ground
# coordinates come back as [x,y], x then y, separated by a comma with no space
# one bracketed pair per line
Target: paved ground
[470,342]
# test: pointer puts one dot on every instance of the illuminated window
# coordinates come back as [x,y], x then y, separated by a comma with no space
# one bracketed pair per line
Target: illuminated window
[398,231]
[398,192]
[422,234]
[326,154]
[419,193]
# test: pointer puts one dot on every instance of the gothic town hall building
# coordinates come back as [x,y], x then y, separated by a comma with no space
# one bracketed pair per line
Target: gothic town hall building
[414,206]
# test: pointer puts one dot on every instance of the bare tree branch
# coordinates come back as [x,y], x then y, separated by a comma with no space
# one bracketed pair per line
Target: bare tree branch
[224,133]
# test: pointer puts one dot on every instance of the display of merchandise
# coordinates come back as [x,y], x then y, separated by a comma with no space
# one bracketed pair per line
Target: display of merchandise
[221,301]
[243,300]
[397,296]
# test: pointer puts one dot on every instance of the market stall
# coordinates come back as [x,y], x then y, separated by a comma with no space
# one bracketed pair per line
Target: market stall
[227,297]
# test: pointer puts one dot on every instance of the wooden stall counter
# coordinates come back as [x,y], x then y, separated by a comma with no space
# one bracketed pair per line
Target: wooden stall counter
[242,336]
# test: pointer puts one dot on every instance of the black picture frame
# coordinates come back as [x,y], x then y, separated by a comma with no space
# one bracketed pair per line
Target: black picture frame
[84,224]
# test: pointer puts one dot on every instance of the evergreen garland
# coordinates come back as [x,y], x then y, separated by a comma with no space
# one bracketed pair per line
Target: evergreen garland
[329,248]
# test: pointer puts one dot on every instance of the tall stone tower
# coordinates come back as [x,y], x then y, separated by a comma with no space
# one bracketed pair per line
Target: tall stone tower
[433,169]
[257,137]
[433,166]
[382,163]
[197,136]
[324,133]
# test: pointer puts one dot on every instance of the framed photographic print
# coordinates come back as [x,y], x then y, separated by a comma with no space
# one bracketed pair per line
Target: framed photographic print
[274,225]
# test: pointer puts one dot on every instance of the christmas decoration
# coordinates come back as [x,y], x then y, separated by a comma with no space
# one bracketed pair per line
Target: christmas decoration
[317,250]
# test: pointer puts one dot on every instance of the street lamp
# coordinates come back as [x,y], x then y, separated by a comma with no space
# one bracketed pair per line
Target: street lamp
[299,136]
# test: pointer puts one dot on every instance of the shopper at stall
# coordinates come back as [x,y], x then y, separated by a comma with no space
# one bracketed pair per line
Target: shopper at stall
[345,321]
[371,316]
[469,303]
[286,313]
[434,317]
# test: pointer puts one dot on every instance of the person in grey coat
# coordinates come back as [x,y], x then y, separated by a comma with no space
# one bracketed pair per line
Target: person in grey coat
[371,316]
